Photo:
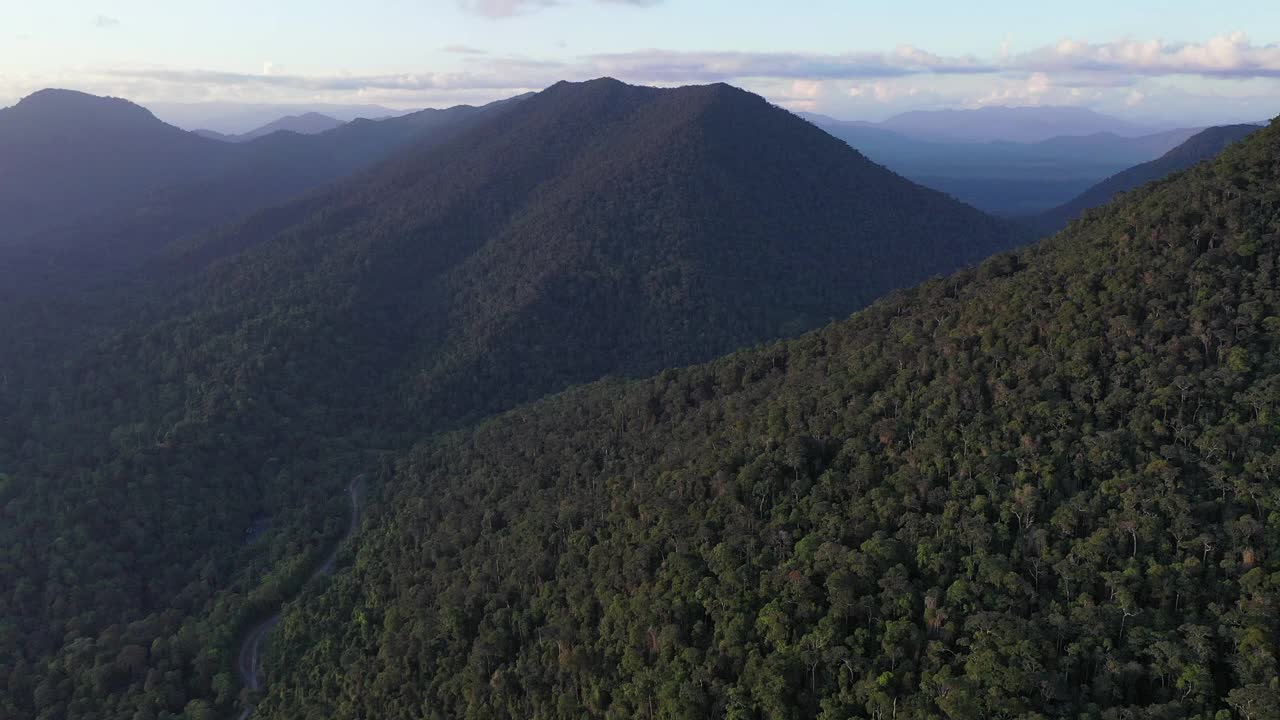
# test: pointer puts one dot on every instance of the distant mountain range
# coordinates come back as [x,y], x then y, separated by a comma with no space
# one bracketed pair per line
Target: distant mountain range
[1009,124]
[1199,147]
[1004,177]
[306,124]
[233,118]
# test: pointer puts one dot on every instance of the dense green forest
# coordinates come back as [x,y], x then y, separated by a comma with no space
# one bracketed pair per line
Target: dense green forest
[168,481]
[1044,487]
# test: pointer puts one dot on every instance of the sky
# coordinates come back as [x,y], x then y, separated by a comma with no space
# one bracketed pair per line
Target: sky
[1171,62]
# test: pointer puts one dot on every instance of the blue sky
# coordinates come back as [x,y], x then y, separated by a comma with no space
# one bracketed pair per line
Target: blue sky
[1171,61]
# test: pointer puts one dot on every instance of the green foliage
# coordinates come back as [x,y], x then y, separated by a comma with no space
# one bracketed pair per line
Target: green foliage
[1041,488]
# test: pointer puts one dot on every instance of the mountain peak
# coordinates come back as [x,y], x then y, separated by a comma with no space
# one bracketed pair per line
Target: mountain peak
[61,100]
[55,110]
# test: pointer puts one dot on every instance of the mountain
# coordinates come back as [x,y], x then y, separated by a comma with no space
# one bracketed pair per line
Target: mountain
[1151,146]
[1009,124]
[601,228]
[1006,178]
[65,156]
[1044,487]
[234,118]
[215,135]
[1202,146]
[96,185]
[594,229]
[307,124]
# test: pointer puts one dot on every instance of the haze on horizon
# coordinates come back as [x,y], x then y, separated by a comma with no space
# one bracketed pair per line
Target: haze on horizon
[1141,60]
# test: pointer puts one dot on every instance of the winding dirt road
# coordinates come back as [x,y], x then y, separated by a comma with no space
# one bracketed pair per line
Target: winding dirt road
[249,659]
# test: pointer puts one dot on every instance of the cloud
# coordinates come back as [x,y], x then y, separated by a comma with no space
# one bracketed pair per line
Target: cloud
[104,22]
[1028,77]
[1034,90]
[317,83]
[502,8]
[669,66]
[1125,75]
[507,8]
[1230,55]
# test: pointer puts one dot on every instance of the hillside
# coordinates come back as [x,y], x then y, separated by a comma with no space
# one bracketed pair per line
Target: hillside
[593,229]
[65,156]
[1041,488]
[1198,148]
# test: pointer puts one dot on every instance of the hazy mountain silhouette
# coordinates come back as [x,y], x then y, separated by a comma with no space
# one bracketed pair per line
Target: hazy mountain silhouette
[1003,177]
[311,123]
[1010,124]
[236,118]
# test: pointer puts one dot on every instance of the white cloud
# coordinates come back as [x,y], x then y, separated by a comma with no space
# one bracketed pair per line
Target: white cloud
[508,8]
[1232,55]
[104,22]
[1034,90]
[1139,76]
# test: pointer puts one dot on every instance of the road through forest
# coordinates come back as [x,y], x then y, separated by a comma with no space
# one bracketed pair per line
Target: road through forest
[249,659]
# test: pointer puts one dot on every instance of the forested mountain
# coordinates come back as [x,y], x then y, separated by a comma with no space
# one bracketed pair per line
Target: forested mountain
[1041,488]
[1198,148]
[593,229]
[65,156]
[601,228]
[1009,178]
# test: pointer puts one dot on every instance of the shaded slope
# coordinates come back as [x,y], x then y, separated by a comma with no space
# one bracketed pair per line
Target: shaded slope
[65,156]
[1202,146]
[1041,488]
